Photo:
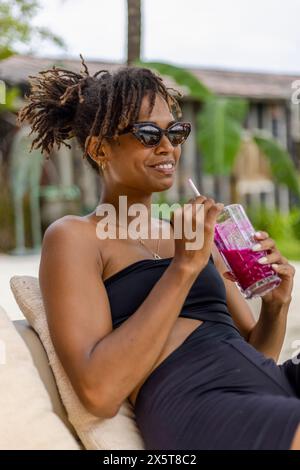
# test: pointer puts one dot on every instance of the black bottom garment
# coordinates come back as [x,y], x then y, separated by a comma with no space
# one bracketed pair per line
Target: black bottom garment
[216,391]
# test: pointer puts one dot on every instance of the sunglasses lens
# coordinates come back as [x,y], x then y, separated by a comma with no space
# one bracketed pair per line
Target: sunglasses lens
[149,135]
[178,133]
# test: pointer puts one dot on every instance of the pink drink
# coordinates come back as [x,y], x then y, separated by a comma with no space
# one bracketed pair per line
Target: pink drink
[245,267]
[234,240]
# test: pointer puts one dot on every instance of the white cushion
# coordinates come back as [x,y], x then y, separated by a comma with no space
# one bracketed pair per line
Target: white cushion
[27,420]
[119,432]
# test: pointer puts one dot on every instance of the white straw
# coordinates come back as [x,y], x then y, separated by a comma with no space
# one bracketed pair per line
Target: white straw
[194,187]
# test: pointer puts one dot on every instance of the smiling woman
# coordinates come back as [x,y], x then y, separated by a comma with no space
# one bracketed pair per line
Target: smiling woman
[167,331]
[67,104]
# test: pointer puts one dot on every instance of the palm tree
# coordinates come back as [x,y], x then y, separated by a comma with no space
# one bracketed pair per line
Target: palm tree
[133,31]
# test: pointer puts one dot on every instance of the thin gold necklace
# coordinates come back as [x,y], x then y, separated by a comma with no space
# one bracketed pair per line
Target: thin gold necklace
[154,253]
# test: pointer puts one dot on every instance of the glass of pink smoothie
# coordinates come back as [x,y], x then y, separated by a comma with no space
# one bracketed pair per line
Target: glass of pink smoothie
[234,240]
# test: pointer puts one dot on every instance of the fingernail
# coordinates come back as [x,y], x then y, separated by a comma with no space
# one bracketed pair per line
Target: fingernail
[256,247]
[275,266]
[263,260]
[257,234]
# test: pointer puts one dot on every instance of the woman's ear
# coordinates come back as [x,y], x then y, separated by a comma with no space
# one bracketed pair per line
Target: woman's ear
[92,148]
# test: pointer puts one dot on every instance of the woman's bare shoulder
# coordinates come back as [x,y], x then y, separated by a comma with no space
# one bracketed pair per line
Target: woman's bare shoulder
[73,226]
[67,221]
[73,233]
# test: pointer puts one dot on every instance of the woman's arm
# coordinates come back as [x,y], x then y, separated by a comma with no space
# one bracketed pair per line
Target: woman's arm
[104,365]
[267,334]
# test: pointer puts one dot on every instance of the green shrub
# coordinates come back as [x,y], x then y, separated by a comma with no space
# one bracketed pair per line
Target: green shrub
[289,248]
[7,235]
[283,228]
[276,223]
[296,224]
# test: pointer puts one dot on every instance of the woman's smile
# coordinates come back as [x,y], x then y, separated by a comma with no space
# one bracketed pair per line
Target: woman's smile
[166,170]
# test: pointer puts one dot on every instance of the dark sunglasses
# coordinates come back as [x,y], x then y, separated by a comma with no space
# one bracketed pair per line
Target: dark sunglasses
[150,135]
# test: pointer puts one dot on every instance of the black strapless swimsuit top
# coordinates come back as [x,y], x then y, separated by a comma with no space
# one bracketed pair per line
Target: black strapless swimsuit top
[128,288]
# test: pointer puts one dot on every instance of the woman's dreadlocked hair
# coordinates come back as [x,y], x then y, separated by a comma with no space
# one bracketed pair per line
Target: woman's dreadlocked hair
[63,104]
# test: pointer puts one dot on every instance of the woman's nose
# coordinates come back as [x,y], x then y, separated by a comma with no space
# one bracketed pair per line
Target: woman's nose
[164,145]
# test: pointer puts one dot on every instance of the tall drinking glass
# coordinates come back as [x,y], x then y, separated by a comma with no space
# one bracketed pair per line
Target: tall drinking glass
[234,240]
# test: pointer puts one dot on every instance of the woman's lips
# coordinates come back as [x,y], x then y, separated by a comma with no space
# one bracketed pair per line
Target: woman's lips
[164,171]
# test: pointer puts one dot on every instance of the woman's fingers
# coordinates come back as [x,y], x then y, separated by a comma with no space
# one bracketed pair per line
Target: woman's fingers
[286,270]
[274,257]
[266,244]
[272,254]
[261,235]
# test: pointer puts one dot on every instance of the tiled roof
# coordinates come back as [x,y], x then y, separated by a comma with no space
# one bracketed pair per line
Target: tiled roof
[16,69]
[248,84]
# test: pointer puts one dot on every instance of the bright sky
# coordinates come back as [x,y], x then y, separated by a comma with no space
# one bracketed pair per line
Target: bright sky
[262,35]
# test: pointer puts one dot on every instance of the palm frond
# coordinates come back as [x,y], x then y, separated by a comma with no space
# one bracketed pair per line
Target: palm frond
[283,169]
[219,133]
[196,88]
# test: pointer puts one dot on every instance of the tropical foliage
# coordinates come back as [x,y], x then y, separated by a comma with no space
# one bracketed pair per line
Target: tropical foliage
[282,227]
[220,130]
[16,27]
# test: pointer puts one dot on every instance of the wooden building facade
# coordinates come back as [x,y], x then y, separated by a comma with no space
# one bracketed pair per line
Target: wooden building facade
[270,107]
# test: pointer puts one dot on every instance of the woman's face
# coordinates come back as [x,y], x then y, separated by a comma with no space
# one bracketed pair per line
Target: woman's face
[130,164]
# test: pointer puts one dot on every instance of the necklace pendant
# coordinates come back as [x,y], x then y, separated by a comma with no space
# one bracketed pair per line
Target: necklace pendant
[156,256]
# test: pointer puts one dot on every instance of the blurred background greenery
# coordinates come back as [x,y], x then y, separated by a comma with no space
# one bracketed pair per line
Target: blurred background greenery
[284,228]
[244,146]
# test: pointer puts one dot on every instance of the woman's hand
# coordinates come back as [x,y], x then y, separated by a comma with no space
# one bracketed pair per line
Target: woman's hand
[282,294]
[193,258]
